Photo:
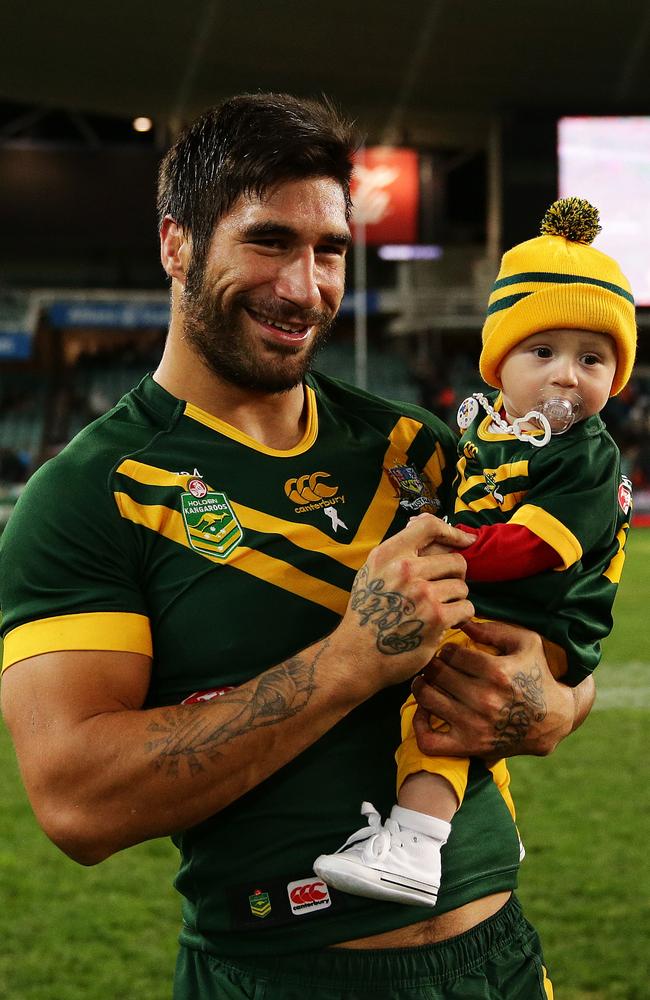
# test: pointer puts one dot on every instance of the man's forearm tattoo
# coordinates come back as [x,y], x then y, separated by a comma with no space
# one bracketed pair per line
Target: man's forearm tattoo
[526,706]
[388,612]
[195,734]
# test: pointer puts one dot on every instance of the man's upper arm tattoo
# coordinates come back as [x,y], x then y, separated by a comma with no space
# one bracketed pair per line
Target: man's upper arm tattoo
[388,612]
[526,706]
[195,734]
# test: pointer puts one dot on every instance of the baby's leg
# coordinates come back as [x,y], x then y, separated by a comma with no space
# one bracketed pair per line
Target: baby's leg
[430,794]
[400,859]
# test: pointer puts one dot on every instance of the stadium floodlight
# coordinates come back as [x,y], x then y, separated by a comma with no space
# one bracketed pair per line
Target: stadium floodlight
[142,124]
[409,251]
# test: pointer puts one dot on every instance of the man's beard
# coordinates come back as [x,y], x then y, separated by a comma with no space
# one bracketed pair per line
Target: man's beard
[218,335]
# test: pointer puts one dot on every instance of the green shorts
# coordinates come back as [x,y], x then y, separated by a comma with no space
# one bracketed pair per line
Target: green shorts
[500,958]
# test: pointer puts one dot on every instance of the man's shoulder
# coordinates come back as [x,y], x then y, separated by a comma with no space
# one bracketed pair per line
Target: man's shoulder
[85,464]
[376,409]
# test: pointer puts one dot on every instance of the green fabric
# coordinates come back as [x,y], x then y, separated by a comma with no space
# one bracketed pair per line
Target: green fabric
[556,278]
[100,528]
[576,479]
[500,959]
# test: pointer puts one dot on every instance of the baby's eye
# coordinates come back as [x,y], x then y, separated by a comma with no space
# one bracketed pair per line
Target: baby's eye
[590,359]
[542,352]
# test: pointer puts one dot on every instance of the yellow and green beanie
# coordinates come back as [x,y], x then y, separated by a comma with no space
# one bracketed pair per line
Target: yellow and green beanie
[558,281]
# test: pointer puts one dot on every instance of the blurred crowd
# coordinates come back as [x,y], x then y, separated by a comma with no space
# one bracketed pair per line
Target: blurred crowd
[35,422]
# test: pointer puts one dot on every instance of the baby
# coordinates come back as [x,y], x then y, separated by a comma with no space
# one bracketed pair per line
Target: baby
[538,483]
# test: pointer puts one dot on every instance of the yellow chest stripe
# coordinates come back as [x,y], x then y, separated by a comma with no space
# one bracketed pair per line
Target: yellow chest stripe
[382,507]
[170,524]
[373,527]
[509,470]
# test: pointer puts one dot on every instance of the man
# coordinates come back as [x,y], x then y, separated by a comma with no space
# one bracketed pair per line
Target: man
[213,597]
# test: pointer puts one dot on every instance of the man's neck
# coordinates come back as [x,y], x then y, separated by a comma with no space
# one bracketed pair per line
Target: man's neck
[275,420]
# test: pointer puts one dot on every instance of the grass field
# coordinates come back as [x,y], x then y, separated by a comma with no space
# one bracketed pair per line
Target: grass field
[108,933]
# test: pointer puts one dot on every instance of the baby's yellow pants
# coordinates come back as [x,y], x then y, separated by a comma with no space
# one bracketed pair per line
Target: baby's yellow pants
[410,758]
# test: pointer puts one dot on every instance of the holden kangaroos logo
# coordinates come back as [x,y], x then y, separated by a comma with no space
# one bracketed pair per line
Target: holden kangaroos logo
[211,524]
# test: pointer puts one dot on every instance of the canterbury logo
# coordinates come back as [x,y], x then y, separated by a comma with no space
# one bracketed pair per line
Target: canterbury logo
[307,489]
[470,450]
[307,895]
[314,892]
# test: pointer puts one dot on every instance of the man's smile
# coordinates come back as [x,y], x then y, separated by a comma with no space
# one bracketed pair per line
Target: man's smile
[295,330]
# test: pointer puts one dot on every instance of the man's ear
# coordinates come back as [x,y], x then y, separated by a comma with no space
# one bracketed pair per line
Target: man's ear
[175,249]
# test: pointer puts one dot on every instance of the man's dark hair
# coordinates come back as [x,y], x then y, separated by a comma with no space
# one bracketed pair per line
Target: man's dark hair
[245,146]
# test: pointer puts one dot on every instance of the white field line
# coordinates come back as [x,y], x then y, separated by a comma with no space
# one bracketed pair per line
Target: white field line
[622,685]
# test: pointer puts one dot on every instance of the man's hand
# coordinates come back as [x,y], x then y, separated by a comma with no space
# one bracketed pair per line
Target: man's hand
[496,705]
[402,601]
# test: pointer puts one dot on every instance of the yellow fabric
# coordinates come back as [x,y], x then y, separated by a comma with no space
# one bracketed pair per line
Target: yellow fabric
[615,568]
[551,531]
[547,984]
[411,760]
[308,438]
[120,631]
[549,305]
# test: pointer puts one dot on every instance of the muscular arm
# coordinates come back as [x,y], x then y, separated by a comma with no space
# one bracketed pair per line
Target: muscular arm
[102,773]
[497,706]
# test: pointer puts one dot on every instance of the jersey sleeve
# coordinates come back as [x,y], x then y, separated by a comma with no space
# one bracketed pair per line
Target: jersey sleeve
[68,568]
[506,552]
[571,503]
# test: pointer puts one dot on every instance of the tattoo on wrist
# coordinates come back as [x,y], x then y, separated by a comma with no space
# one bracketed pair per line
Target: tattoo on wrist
[526,706]
[388,612]
[189,735]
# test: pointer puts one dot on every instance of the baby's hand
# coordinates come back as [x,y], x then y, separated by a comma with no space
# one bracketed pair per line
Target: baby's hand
[451,540]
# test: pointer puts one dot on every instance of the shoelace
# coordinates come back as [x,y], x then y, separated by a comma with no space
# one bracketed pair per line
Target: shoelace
[380,836]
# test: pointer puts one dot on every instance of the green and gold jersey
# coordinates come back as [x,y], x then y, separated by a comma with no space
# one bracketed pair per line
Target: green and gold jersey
[163,530]
[571,494]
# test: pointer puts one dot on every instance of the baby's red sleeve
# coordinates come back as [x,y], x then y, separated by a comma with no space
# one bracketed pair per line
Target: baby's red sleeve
[506,552]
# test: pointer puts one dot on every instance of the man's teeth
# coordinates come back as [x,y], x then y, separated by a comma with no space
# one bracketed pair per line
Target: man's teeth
[279,326]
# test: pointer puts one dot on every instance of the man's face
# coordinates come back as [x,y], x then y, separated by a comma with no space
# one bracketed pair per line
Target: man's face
[271,286]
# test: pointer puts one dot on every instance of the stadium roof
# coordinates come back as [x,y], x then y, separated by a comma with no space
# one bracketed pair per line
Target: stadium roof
[396,67]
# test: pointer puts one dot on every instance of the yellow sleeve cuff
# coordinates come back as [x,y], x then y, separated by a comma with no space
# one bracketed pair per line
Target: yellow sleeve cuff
[102,630]
[551,531]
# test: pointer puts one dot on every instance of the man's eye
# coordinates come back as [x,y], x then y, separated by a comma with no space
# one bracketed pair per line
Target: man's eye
[331,250]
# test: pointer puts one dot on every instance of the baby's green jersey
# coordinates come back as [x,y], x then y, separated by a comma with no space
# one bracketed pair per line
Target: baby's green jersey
[571,494]
[164,531]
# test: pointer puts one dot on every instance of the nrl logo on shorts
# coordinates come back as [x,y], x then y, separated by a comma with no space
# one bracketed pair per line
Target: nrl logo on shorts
[210,522]
[413,488]
[260,903]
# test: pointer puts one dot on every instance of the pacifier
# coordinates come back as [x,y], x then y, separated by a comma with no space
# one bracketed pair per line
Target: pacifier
[562,412]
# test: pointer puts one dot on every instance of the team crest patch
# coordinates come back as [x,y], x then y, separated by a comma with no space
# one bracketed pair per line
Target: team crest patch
[211,524]
[491,485]
[467,412]
[260,903]
[413,488]
[625,494]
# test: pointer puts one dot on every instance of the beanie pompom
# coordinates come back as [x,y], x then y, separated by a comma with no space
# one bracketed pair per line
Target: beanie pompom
[573,218]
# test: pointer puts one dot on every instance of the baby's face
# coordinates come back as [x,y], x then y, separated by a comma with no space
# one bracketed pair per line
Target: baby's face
[558,363]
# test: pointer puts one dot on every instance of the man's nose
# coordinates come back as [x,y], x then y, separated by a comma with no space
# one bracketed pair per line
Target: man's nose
[296,281]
